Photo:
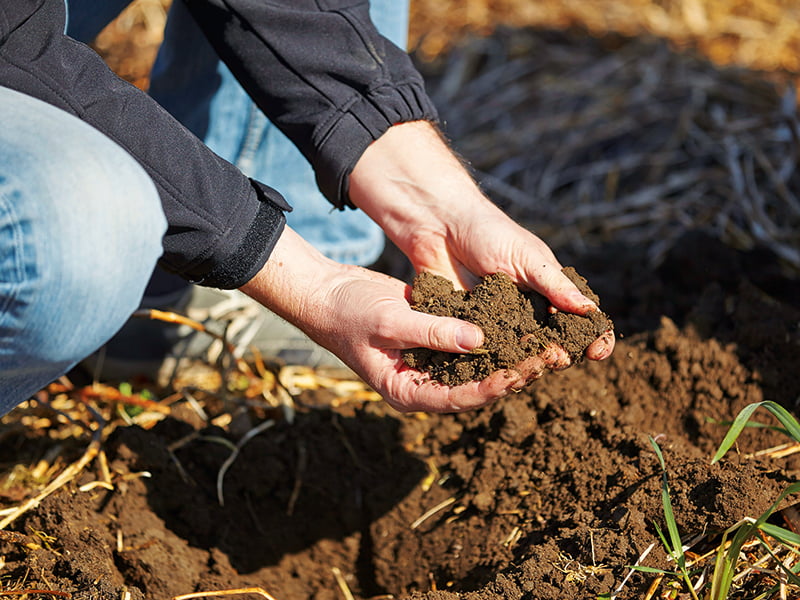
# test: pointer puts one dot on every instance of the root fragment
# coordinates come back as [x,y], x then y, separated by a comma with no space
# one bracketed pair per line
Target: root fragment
[252,590]
[342,583]
[429,513]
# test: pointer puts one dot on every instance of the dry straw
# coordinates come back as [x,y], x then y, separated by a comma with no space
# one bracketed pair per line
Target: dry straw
[758,34]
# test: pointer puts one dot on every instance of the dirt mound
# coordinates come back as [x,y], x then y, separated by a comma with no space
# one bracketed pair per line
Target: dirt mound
[549,493]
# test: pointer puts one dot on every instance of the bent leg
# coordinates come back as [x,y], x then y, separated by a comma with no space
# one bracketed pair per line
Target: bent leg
[80,232]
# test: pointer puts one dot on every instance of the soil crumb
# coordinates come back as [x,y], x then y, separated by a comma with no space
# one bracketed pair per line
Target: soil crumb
[547,495]
[516,325]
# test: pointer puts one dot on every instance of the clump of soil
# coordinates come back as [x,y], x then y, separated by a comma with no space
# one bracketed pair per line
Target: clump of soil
[549,494]
[516,325]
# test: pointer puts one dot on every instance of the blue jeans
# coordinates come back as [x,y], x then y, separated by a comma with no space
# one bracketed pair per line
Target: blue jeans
[80,233]
[198,89]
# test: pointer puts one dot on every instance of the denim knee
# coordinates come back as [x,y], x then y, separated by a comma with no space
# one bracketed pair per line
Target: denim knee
[81,226]
[78,275]
[83,278]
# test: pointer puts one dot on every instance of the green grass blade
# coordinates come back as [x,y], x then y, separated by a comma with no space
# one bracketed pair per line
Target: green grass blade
[663,538]
[736,429]
[793,579]
[727,561]
[675,547]
[750,424]
[742,419]
[781,534]
[725,566]
[672,526]
[659,455]
[794,488]
[719,569]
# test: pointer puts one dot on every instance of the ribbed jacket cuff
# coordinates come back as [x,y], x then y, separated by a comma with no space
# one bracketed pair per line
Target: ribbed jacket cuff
[363,122]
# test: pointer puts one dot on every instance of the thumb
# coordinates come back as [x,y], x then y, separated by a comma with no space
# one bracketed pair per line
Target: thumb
[445,334]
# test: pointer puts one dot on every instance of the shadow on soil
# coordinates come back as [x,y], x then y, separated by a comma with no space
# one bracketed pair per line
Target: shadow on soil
[323,478]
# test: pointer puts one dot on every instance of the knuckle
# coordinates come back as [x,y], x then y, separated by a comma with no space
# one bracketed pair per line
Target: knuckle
[436,336]
[385,326]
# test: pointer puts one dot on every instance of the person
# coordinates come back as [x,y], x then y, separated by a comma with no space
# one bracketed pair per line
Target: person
[98,182]
[197,88]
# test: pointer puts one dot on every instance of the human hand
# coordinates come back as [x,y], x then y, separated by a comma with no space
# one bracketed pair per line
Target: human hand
[365,318]
[409,182]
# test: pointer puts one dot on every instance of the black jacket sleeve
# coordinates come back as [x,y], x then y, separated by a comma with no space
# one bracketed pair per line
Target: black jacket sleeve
[321,72]
[222,226]
[317,68]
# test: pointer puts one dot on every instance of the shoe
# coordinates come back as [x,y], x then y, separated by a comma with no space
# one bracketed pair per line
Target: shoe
[160,351]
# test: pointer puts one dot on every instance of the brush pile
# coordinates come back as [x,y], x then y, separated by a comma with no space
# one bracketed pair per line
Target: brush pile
[589,140]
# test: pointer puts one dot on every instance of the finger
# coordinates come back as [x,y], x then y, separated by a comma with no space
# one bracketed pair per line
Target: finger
[446,334]
[478,394]
[408,390]
[549,280]
[555,357]
[602,347]
[411,390]
[530,369]
[417,392]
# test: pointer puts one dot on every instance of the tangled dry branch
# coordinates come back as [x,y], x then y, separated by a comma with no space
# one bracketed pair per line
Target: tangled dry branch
[589,140]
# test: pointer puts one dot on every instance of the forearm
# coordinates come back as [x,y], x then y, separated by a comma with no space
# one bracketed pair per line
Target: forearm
[410,179]
[296,282]
[426,201]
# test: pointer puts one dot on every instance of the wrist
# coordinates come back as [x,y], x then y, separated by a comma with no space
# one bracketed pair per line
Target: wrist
[412,184]
[295,280]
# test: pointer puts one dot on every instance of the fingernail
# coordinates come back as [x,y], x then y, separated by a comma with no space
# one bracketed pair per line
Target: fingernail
[605,348]
[468,338]
[583,301]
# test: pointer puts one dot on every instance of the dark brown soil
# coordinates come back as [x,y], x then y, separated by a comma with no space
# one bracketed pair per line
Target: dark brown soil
[547,494]
[516,325]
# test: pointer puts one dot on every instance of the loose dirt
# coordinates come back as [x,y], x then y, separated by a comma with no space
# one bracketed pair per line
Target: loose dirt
[516,325]
[549,493]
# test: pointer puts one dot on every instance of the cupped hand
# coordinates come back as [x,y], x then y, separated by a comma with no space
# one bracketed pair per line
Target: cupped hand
[463,251]
[369,323]
[410,183]
[365,319]
[417,190]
